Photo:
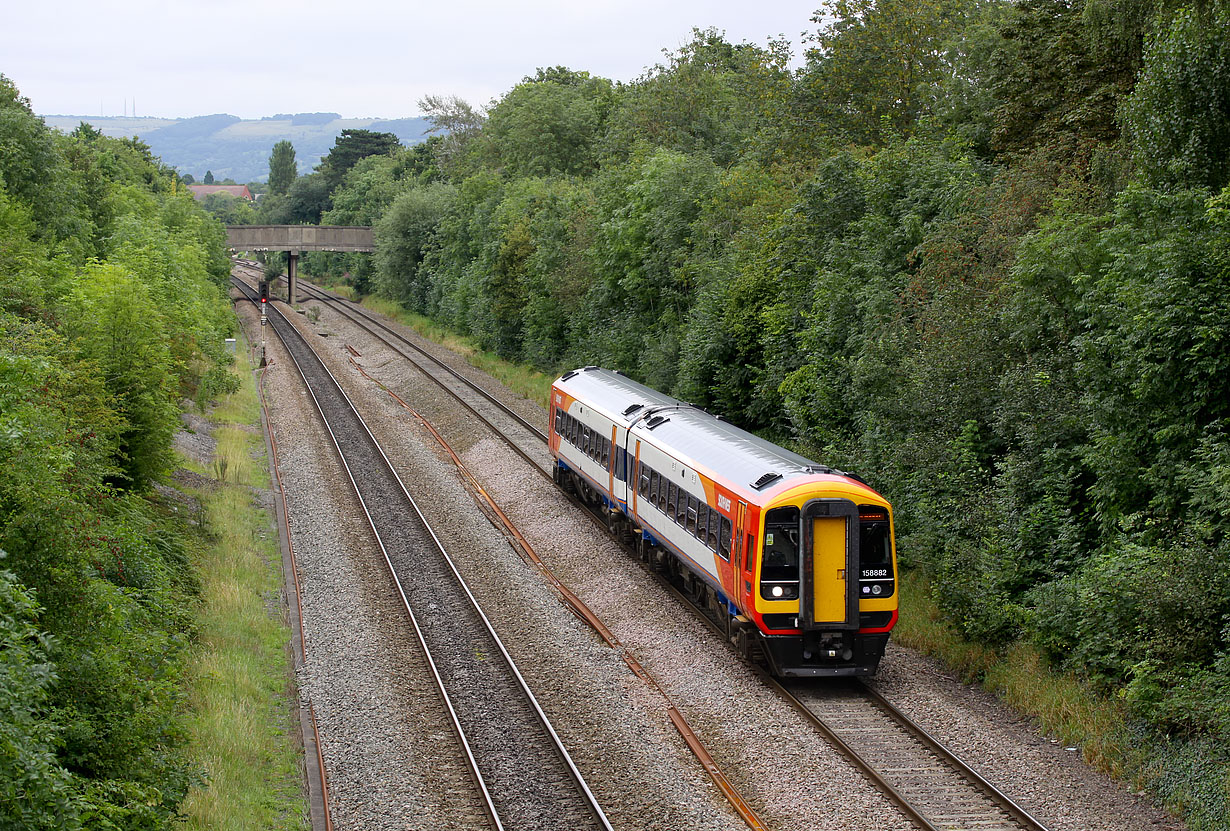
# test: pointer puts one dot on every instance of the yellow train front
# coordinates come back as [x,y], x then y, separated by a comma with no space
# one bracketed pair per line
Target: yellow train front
[795,559]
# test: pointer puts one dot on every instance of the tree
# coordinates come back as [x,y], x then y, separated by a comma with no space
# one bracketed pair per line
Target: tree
[303,204]
[351,146]
[549,126]
[1058,77]
[209,177]
[455,119]
[876,61]
[282,168]
[1177,120]
[403,236]
[33,787]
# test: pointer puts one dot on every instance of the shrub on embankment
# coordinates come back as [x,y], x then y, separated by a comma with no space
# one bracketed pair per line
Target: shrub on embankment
[112,310]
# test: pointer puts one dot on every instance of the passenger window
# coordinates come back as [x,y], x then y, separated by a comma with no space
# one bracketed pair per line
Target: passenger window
[681,510]
[711,530]
[672,497]
[606,453]
[691,518]
[724,539]
[643,482]
[702,522]
[654,481]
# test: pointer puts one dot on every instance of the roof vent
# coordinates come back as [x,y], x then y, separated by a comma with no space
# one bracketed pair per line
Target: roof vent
[760,483]
[818,469]
[656,421]
[632,408]
[568,374]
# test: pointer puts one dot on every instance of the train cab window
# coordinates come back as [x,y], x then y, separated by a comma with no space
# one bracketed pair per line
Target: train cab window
[779,565]
[875,545]
[702,522]
[672,497]
[724,538]
[655,482]
[642,484]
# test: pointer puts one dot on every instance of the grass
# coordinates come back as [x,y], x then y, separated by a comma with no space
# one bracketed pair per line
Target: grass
[240,692]
[1184,774]
[1064,706]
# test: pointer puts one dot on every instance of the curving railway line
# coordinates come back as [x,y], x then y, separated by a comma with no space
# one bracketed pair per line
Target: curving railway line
[932,787]
[525,775]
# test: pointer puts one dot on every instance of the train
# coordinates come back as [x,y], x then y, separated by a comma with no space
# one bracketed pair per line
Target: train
[795,561]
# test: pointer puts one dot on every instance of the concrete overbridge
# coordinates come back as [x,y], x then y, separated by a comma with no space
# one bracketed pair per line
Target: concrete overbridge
[295,239]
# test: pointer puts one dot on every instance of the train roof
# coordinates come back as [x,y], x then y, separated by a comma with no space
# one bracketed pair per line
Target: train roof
[743,458]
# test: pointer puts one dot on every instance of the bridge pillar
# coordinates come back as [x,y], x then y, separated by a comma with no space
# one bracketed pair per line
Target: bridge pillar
[292,280]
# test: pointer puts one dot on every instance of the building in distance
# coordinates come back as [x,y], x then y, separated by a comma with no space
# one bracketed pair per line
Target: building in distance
[199,192]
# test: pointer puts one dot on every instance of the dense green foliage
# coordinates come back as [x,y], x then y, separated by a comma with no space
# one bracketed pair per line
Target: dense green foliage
[282,168]
[112,310]
[977,250]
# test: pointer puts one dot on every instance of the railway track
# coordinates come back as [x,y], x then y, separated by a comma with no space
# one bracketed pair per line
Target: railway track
[929,783]
[525,775]
[504,421]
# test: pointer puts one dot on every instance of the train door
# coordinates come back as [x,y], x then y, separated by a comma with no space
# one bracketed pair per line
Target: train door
[742,559]
[829,593]
[634,473]
[614,467]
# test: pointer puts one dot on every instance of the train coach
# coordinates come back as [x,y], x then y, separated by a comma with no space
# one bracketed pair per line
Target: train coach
[794,559]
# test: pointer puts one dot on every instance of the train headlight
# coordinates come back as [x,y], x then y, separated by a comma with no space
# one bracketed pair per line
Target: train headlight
[877,589]
[778,591]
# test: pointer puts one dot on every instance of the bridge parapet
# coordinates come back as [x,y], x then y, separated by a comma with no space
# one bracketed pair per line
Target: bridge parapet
[299,238]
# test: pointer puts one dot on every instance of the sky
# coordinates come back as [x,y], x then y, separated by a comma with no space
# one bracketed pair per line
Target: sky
[358,58]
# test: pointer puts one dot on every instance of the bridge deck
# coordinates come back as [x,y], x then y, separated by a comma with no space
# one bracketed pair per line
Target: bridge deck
[297,238]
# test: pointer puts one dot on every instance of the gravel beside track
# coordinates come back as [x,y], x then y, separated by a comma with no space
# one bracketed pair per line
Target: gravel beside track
[614,727]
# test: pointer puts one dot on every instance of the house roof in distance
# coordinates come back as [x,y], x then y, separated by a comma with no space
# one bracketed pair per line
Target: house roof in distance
[201,191]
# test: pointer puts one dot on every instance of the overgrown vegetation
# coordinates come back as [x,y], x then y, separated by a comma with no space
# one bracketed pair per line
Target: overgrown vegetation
[112,310]
[977,250]
[241,696]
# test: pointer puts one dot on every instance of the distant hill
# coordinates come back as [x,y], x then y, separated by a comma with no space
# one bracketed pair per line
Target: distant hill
[239,149]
